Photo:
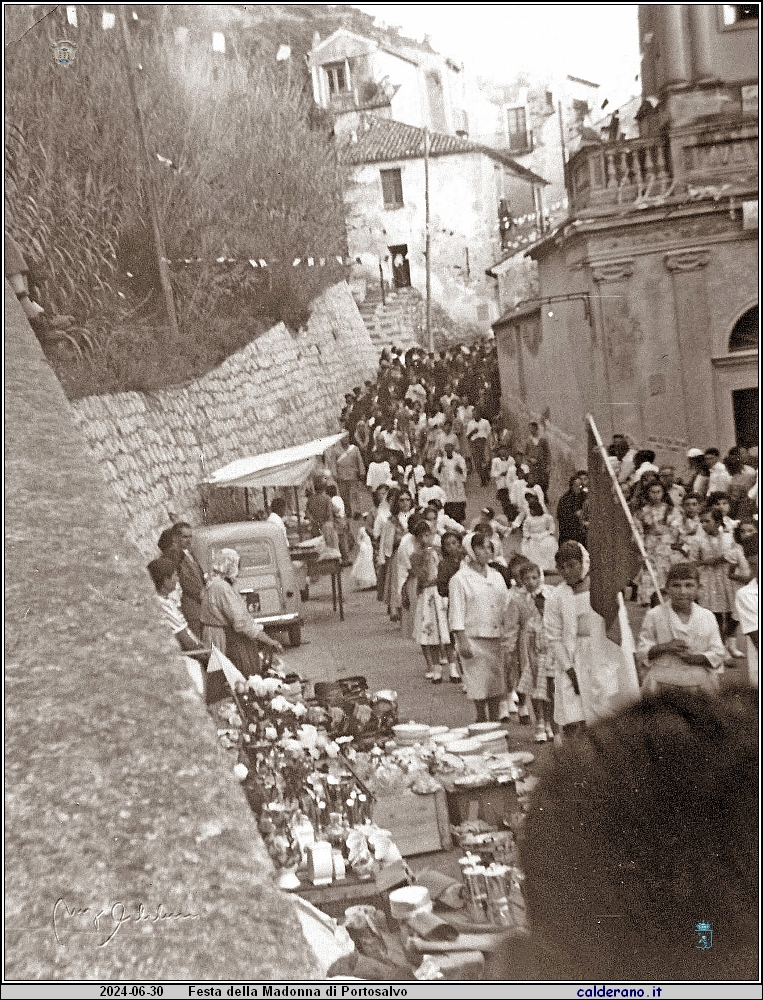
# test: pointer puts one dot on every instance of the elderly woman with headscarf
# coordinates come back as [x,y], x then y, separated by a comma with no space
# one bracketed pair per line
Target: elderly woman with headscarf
[477,605]
[592,677]
[226,620]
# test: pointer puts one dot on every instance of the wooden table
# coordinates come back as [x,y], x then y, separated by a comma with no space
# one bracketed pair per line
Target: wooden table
[332,568]
[351,890]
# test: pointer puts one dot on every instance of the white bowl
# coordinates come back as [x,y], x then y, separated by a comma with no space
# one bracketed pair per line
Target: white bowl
[465,748]
[483,727]
[410,732]
[494,737]
[451,736]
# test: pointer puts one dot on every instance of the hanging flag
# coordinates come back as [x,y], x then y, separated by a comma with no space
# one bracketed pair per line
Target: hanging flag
[615,557]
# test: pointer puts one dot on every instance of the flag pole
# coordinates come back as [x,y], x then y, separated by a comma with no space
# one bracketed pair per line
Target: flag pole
[624,504]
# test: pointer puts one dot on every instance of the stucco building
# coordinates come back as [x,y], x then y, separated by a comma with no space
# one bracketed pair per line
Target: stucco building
[386,213]
[646,308]
[393,76]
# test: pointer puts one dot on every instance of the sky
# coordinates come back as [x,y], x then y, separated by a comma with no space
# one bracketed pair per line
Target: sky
[598,42]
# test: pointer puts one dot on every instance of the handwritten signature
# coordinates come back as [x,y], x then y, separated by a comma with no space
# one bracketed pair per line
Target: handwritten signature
[106,921]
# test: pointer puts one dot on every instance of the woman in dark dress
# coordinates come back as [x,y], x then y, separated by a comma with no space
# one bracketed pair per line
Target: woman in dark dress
[568,513]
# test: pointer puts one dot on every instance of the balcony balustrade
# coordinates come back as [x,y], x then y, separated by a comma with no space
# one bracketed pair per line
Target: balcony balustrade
[619,173]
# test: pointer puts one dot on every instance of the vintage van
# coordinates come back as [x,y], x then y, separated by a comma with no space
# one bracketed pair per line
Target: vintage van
[268,580]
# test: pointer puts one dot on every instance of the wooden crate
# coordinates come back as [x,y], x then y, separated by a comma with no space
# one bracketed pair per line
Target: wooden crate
[491,804]
[419,824]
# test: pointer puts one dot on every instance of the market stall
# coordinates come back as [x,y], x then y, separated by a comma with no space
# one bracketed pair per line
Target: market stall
[290,469]
[343,793]
[286,468]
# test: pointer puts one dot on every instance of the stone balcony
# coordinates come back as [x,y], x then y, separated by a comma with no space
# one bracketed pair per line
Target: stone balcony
[601,177]
[712,157]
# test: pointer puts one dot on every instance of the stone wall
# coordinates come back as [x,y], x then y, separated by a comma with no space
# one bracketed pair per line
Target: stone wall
[282,389]
[118,794]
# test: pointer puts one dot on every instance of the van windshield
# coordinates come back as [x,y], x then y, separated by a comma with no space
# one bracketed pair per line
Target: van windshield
[254,554]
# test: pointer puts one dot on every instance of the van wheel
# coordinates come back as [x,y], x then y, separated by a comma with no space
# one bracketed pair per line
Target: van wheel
[295,635]
[305,593]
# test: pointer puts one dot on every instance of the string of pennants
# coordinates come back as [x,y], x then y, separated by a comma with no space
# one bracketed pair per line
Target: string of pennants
[261,263]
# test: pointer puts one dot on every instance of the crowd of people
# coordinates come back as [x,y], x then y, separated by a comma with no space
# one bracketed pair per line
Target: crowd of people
[476,598]
[702,516]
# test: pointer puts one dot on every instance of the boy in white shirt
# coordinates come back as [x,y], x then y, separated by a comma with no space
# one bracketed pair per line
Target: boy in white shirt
[680,641]
[378,473]
[431,490]
[478,431]
[503,472]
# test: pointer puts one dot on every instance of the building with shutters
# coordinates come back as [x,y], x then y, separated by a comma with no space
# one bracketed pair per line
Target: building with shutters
[645,311]
[386,212]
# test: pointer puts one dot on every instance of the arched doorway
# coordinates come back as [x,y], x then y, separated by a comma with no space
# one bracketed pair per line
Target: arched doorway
[744,336]
[736,380]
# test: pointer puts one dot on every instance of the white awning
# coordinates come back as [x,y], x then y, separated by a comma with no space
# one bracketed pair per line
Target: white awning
[286,467]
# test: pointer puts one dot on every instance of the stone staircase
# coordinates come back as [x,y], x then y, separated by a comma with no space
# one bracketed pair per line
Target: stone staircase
[400,320]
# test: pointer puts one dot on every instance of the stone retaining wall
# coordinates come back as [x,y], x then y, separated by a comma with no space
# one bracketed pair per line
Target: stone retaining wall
[282,389]
[119,798]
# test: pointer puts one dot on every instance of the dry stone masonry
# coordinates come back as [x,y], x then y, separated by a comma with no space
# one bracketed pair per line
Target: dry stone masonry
[282,389]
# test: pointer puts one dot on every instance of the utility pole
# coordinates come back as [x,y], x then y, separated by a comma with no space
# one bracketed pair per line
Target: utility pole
[428,242]
[164,276]
[564,150]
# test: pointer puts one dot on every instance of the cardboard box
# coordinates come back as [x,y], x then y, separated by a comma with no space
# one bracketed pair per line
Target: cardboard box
[419,824]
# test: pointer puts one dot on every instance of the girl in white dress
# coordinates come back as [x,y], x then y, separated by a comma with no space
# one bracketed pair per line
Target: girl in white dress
[363,573]
[430,619]
[539,543]
[593,678]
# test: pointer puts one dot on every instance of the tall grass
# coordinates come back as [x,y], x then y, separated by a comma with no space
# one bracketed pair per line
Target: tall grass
[251,178]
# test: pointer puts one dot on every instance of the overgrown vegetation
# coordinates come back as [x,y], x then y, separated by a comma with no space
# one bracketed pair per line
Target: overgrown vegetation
[252,174]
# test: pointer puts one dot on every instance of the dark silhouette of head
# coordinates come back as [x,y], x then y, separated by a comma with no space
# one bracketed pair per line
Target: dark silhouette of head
[641,828]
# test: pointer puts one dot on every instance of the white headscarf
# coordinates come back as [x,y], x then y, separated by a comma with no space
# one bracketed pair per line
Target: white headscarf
[466,541]
[225,563]
[585,559]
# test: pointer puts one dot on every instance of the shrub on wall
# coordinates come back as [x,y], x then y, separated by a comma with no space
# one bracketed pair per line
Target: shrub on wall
[246,171]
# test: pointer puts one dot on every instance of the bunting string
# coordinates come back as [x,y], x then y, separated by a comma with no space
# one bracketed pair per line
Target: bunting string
[259,263]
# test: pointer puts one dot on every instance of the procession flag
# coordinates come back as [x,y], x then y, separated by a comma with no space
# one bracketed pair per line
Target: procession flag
[612,537]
